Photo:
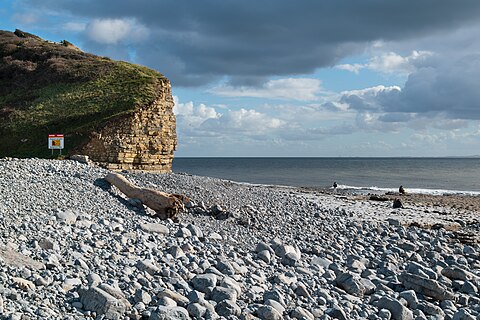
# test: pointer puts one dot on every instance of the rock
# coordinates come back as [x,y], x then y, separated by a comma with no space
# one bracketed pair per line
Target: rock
[425,286]
[384,314]
[23,283]
[456,273]
[155,228]
[411,298]
[147,266]
[398,311]
[350,283]
[265,256]
[336,312]
[302,291]
[48,244]
[67,216]
[268,313]
[463,314]
[301,313]
[274,295]
[99,301]
[469,288]
[227,308]
[204,281]
[80,158]
[16,259]
[175,296]
[290,259]
[170,313]
[196,310]
[276,305]
[397,204]
[142,296]
[431,309]
[220,293]
[195,231]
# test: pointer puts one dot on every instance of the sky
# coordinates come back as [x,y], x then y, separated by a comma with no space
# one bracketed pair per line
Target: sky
[282,78]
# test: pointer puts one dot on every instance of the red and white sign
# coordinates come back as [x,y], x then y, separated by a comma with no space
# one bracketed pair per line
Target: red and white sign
[55,141]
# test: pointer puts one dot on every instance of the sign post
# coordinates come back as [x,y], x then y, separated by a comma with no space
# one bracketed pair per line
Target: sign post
[55,141]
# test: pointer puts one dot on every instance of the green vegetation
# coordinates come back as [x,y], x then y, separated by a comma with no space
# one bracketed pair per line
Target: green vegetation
[55,88]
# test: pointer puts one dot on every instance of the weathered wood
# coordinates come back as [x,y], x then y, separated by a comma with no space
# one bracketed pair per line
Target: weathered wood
[164,204]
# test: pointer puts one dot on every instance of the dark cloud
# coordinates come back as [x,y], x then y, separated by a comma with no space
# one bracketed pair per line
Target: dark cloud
[449,89]
[197,41]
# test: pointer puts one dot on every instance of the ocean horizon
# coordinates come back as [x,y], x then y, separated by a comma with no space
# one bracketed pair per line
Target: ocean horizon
[429,175]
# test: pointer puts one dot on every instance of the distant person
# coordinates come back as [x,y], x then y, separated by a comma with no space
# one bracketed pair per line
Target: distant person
[335,185]
[401,190]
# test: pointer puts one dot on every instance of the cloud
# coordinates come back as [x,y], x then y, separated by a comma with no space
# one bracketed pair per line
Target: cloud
[303,89]
[208,41]
[390,62]
[113,31]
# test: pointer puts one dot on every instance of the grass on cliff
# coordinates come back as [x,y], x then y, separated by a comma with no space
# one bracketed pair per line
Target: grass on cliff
[69,93]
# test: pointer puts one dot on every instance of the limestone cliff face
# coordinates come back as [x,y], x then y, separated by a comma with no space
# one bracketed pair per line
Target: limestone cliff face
[142,140]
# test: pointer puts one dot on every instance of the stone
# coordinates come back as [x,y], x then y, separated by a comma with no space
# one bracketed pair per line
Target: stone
[265,256]
[275,304]
[301,313]
[170,313]
[67,216]
[268,313]
[274,295]
[469,288]
[147,266]
[336,312]
[302,291]
[384,314]
[177,297]
[18,260]
[142,296]
[456,273]
[80,158]
[196,310]
[99,301]
[290,259]
[227,308]
[463,314]
[48,244]
[425,286]
[23,284]
[397,204]
[411,297]
[398,310]
[350,283]
[220,293]
[155,228]
[204,281]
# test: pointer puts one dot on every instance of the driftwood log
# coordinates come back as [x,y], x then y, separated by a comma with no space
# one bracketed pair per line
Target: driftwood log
[164,204]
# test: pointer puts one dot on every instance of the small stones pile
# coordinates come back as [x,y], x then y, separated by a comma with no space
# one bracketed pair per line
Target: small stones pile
[74,248]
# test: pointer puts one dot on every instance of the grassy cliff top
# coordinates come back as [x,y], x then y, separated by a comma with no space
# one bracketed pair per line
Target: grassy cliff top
[48,87]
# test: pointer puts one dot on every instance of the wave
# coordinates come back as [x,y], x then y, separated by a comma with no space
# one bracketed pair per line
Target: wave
[408,190]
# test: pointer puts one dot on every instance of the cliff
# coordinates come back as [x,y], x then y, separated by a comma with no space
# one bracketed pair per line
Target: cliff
[117,113]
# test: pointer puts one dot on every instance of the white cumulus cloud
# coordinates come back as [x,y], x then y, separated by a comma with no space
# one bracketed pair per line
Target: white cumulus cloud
[302,89]
[390,62]
[113,31]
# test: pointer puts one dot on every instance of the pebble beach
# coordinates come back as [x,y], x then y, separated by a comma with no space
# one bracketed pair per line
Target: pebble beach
[74,247]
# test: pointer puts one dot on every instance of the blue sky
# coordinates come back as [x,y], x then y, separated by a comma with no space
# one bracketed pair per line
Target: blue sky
[284,78]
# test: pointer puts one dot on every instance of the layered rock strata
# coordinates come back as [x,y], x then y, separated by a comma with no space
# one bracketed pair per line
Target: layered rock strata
[142,140]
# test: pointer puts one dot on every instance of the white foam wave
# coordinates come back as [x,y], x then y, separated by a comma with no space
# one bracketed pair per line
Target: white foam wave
[410,190]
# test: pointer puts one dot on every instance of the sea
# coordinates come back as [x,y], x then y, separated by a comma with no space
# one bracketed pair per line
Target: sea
[360,175]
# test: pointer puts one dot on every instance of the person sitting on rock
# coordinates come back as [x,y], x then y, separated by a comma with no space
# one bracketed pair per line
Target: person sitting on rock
[335,185]
[401,190]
